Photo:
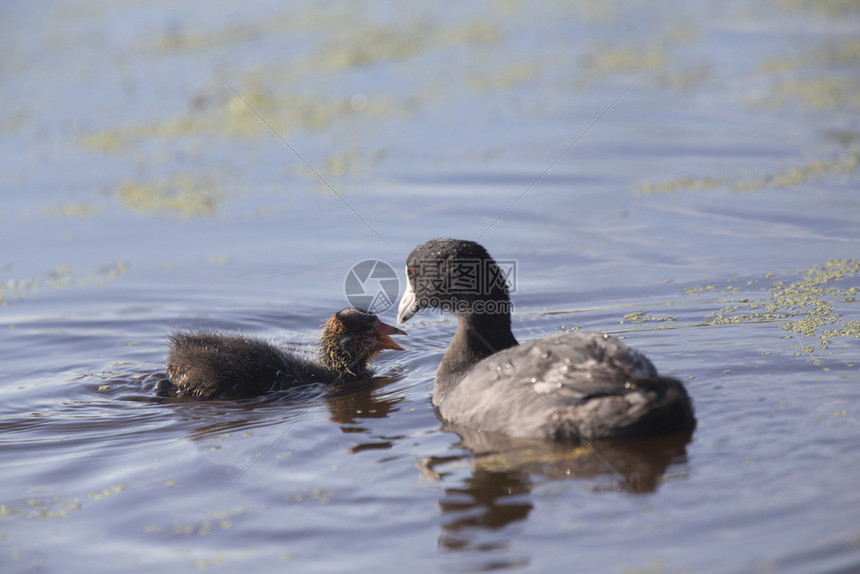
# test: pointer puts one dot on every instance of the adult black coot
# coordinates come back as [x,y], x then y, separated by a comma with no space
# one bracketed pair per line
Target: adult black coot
[217,366]
[568,386]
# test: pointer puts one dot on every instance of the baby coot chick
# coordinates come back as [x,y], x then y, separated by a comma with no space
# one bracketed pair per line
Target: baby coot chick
[568,386]
[217,366]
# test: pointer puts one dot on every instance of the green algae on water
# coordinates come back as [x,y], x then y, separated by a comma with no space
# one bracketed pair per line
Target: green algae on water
[55,507]
[699,290]
[804,308]
[812,170]
[639,318]
[72,211]
[821,93]
[60,277]
[830,8]
[185,195]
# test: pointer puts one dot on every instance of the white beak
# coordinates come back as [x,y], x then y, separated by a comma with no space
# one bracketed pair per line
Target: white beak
[407,306]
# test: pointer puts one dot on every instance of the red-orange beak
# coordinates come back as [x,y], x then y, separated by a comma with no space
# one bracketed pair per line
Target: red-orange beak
[384,332]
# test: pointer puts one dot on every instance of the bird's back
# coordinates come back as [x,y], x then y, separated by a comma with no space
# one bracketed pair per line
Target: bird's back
[217,366]
[568,386]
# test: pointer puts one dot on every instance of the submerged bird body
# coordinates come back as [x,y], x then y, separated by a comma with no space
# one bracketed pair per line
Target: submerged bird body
[217,366]
[568,386]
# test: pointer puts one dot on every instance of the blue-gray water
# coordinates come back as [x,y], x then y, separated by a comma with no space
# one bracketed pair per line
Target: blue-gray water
[710,215]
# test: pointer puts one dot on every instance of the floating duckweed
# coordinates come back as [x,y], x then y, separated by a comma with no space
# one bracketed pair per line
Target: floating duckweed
[822,93]
[640,317]
[509,76]
[74,210]
[802,307]
[202,563]
[369,45]
[720,319]
[818,75]
[117,139]
[317,494]
[478,32]
[833,8]
[848,329]
[808,326]
[272,93]
[698,290]
[610,59]
[233,116]
[790,177]
[840,53]
[183,195]
[54,507]
[59,277]
[184,529]
[107,492]
[802,349]
[684,183]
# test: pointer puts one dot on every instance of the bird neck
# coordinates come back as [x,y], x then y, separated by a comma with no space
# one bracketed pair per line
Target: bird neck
[343,361]
[478,336]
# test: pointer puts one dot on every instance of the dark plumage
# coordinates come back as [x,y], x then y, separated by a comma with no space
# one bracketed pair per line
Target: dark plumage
[218,366]
[567,386]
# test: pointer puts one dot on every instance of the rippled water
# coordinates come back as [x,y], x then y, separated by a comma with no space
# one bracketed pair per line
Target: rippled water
[706,209]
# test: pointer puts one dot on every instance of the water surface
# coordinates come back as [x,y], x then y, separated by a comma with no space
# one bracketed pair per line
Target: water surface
[683,176]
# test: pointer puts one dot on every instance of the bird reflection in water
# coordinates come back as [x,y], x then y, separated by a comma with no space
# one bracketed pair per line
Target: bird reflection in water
[505,470]
[361,401]
[347,404]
